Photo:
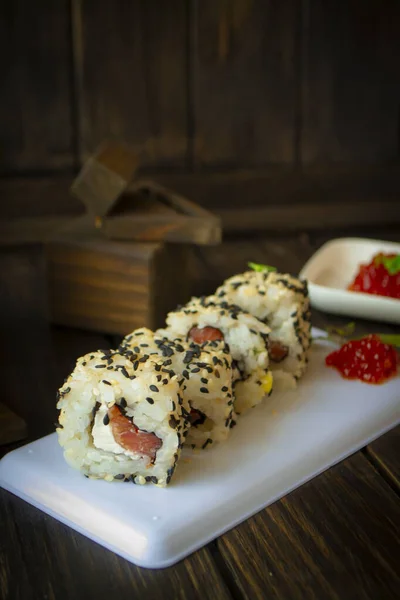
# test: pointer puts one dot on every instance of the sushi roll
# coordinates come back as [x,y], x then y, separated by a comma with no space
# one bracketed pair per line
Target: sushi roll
[122,418]
[211,319]
[207,374]
[281,301]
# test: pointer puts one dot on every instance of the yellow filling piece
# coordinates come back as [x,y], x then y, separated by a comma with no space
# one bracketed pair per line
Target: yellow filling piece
[266,382]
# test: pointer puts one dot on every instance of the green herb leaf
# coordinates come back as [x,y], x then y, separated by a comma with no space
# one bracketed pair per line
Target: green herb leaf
[344,334]
[391,263]
[345,331]
[259,268]
[391,339]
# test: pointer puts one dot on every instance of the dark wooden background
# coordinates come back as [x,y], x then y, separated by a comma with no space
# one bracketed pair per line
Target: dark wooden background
[281,105]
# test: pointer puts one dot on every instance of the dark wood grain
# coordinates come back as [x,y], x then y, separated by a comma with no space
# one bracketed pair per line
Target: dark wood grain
[270,200]
[36,127]
[335,537]
[33,197]
[68,565]
[286,253]
[114,287]
[351,86]
[130,67]
[26,360]
[244,82]
[12,427]
[384,454]
[33,230]
[168,227]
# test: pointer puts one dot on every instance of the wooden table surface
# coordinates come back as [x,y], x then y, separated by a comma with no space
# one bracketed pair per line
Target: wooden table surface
[334,537]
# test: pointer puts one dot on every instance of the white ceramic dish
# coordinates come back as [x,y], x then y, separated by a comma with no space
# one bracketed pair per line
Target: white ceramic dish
[333,267]
[274,449]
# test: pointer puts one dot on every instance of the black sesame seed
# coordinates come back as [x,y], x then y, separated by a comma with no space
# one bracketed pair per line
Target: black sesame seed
[204,390]
[106,382]
[166,350]
[122,402]
[120,476]
[185,374]
[159,377]
[150,400]
[204,380]
[188,357]
[136,365]
[144,345]
[196,370]
[124,372]
[224,389]
[167,363]
[165,381]
[153,388]
[144,358]
[157,368]
[217,374]
[100,366]
[136,349]
[106,419]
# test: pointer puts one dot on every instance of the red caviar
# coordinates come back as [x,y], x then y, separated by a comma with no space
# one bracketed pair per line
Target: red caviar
[368,359]
[374,278]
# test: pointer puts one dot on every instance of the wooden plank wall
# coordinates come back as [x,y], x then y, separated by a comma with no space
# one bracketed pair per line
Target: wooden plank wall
[276,94]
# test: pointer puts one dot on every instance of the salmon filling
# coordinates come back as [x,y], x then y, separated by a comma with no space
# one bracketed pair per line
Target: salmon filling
[205,334]
[277,351]
[127,435]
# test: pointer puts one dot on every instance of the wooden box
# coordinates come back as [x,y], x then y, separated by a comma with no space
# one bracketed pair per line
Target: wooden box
[102,282]
[114,287]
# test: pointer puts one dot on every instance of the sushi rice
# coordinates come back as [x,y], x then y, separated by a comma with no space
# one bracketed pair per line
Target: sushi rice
[206,373]
[246,336]
[281,301]
[144,391]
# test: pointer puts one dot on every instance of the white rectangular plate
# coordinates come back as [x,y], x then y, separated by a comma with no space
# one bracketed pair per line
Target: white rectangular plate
[334,266]
[275,448]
